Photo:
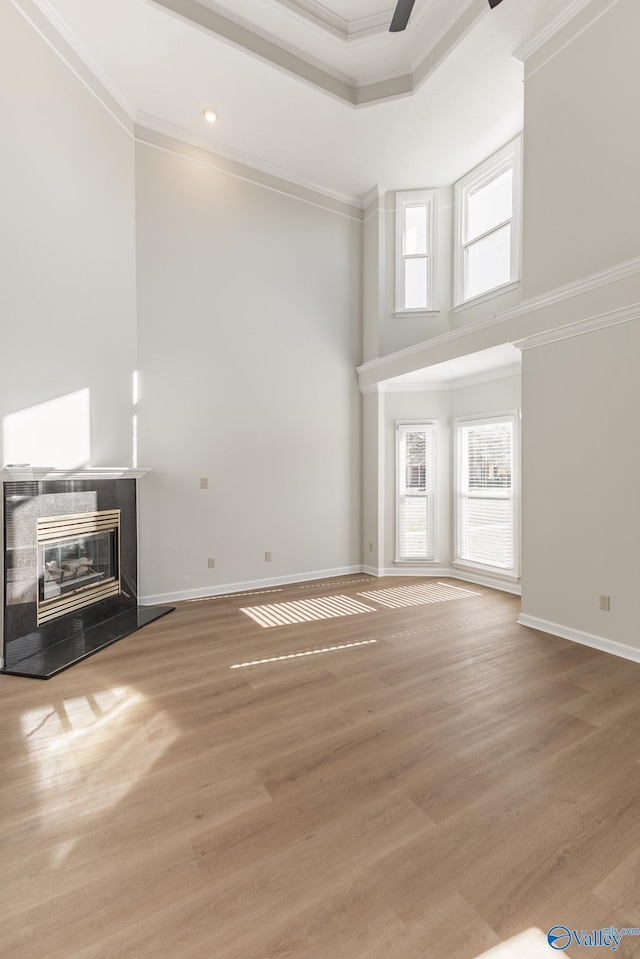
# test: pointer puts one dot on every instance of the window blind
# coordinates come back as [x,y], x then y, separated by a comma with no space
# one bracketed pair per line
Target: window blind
[485,502]
[416,486]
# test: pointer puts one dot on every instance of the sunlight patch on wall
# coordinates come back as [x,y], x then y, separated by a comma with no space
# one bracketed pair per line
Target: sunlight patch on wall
[134,423]
[56,433]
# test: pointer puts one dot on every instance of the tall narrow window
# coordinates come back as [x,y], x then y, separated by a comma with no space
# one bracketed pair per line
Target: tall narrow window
[416,491]
[416,251]
[485,501]
[487,246]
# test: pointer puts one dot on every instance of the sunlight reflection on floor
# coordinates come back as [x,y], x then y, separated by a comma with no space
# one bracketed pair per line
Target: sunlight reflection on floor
[89,754]
[531,944]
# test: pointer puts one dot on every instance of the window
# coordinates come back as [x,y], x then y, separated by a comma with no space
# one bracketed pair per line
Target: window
[485,500]
[416,252]
[488,213]
[416,491]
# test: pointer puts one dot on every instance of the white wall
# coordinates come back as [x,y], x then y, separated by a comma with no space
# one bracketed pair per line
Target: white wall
[373,462]
[582,150]
[249,305]
[492,396]
[581,394]
[67,247]
[581,517]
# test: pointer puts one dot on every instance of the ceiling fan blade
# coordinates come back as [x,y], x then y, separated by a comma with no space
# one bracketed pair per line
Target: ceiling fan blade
[401,16]
[494,3]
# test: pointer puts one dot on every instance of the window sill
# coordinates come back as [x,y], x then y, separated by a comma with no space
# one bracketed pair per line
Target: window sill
[489,295]
[419,313]
[416,562]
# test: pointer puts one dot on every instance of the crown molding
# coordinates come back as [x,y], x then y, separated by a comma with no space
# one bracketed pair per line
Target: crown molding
[346,30]
[549,30]
[145,121]
[350,31]
[375,193]
[246,30]
[44,20]
[585,285]
[538,41]
[259,44]
[210,17]
[80,50]
[426,344]
[599,322]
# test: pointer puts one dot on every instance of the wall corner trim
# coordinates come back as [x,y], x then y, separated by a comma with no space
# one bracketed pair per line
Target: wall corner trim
[600,643]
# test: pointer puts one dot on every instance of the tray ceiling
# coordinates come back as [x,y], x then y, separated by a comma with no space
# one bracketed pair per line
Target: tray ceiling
[303,93]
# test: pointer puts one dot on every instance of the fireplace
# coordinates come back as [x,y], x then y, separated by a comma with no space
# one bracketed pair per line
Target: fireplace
[70,566]
[78,561]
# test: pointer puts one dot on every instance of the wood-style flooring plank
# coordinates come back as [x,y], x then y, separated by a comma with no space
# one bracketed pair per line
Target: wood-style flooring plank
[426,782]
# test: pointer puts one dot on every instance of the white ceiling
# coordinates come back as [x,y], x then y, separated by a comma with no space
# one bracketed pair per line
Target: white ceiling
[283,76]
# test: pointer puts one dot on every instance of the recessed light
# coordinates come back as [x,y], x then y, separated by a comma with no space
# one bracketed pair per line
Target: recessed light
[210,115]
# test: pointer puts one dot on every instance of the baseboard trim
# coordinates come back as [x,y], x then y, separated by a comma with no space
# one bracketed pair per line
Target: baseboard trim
[425,571]
[429,571]
[489,581]
[204,592]
[601,643]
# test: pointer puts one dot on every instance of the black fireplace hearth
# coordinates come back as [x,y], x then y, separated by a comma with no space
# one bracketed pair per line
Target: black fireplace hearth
[70,571]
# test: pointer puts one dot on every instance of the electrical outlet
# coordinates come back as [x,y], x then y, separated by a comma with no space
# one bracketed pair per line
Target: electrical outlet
[267,557]
[605,602]
[204,482]
[371,547]
[212,563]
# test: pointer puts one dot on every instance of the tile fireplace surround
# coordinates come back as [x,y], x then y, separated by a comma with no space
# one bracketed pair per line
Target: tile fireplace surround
[69,566]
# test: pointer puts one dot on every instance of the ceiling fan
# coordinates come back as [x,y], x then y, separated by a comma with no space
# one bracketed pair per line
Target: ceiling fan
[403,12]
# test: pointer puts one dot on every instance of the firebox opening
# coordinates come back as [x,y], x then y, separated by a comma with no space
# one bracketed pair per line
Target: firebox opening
[78,561]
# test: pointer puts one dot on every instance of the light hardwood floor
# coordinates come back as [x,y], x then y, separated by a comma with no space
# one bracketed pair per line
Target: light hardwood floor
[443,787]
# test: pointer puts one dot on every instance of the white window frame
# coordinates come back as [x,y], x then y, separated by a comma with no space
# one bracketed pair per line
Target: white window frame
[508,416]
[509,157]
[430,426]
[429,199]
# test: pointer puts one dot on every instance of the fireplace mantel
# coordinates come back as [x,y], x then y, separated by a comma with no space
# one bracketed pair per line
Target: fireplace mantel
[25,473]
